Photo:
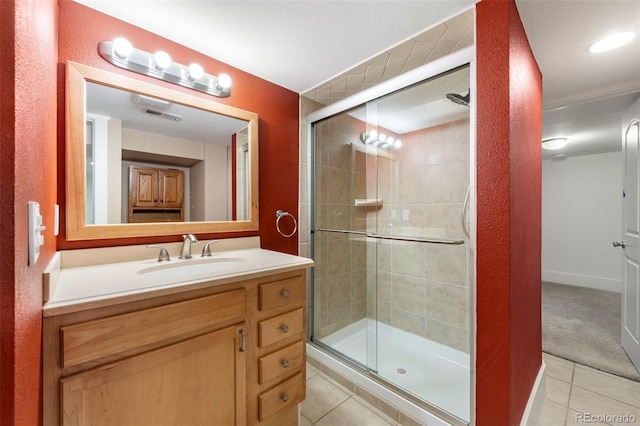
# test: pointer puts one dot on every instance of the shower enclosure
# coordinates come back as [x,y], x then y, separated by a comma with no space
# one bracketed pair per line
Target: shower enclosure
[391,288]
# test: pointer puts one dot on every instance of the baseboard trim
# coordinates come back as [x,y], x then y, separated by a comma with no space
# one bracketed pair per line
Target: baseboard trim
[536,399]
[587,281]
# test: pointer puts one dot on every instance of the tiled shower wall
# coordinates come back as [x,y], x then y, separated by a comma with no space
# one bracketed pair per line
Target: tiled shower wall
[423,288]
[420,288]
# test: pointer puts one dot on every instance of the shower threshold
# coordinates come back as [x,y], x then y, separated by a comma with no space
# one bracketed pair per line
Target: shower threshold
[433,372]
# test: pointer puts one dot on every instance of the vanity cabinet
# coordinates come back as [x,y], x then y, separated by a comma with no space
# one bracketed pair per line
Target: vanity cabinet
[155,195]
[229,354]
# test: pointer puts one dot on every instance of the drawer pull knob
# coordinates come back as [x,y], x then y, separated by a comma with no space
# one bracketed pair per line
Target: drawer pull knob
[285,293]
[285,363]
[284,397]
[285,329]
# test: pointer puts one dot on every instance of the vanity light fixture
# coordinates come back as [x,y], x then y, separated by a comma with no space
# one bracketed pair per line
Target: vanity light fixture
[380,140]
[612,41]
[554,143]
[121,53]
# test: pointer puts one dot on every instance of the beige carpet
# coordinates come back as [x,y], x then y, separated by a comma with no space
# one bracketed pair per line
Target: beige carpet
[583,325]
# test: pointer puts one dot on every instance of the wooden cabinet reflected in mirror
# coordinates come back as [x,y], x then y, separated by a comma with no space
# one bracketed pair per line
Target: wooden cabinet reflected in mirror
[119,129]
[155,195]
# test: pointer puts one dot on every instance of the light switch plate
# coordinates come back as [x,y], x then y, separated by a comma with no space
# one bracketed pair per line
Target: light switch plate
[36,239]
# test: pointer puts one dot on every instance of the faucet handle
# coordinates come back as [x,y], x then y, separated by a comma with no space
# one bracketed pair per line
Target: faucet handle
[164,254]
[206,250]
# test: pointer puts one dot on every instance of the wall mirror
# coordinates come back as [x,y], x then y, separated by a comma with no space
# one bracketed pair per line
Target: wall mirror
[145,160]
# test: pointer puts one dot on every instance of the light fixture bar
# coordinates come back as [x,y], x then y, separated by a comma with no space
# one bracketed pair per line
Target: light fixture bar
[372,138]
[145,63]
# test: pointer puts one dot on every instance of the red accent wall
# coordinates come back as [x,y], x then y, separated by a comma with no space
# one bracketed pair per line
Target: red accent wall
[80,31]
[508,268]
[28,53]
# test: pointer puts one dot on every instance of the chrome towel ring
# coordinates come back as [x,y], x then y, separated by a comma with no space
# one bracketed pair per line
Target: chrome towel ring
[279,215]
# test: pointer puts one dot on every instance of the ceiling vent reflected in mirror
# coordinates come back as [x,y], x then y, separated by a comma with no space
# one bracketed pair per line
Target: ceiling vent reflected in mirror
[161,114]
[154,107]
[148,101]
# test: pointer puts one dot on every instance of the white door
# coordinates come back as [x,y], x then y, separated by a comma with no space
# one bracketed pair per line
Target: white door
[631,235]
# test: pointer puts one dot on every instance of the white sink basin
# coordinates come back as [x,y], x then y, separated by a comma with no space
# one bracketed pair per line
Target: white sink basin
[193,267]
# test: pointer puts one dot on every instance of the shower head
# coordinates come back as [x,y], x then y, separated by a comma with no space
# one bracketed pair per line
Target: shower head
[459,99]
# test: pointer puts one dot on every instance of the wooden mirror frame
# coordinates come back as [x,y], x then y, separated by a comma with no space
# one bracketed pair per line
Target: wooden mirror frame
[77,228]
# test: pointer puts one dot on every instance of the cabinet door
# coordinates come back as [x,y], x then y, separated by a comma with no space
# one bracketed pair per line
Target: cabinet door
[200,381]
[143,187]
[171,188]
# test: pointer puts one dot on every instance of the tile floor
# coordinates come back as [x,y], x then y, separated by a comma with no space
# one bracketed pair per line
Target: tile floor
[573,392]
[330,404]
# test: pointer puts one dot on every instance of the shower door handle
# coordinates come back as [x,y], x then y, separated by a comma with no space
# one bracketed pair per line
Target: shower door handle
[617,244]
[463,215]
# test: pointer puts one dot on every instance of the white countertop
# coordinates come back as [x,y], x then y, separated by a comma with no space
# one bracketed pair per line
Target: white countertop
[86,287]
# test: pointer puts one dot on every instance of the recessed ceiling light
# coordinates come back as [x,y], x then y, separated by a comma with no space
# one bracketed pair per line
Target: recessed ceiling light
[555,143]
[612,41]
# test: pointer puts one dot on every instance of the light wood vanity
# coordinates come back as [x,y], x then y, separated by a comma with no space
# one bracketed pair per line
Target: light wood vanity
[226,352]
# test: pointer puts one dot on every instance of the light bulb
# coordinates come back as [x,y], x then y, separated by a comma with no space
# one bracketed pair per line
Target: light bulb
[224,81]
[162,60]
[122,47]
[390,140]
[195,72]
[397,143]
[373,135]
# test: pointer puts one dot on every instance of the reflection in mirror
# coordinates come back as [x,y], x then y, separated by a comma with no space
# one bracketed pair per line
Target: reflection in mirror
[144,160]
[150,160]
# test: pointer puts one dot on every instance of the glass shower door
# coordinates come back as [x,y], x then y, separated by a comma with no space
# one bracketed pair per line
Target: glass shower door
[390,241]
[422,179]
[344,276]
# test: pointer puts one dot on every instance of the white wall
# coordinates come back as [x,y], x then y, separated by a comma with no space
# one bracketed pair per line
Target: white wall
[581,217]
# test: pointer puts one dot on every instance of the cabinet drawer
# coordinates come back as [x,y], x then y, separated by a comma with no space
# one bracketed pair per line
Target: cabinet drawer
[288,393]
[281,363]
[93,340]
[278,328]
[280,293]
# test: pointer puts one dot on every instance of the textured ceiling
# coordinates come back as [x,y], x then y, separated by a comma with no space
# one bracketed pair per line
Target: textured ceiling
[331,49]
[295,44]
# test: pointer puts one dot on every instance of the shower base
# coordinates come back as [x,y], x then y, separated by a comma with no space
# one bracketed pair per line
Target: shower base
[431,371]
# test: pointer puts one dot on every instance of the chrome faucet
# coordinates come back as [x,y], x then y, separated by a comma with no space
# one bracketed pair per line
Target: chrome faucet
[185,251]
